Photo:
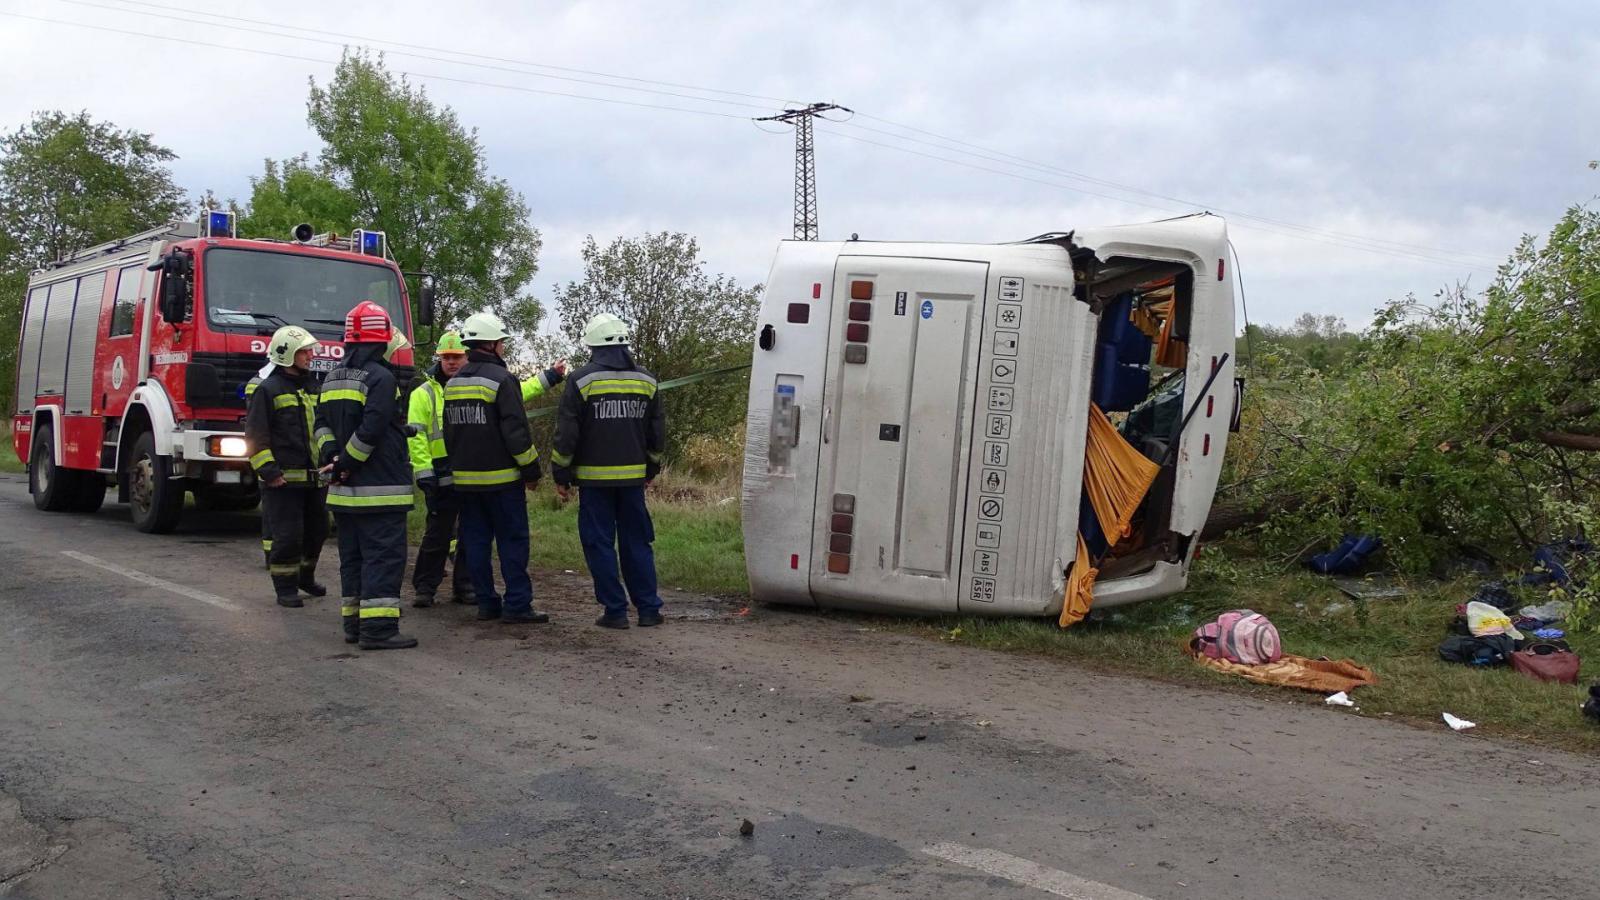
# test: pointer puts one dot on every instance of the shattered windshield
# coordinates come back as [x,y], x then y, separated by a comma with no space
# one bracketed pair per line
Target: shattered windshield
[263,290]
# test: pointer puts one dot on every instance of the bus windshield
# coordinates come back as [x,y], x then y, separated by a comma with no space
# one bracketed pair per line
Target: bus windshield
[262,290]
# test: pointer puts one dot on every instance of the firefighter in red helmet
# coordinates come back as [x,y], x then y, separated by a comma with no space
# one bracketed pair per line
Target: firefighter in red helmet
[362,431]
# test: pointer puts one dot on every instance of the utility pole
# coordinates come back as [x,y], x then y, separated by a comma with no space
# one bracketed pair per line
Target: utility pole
[805,166]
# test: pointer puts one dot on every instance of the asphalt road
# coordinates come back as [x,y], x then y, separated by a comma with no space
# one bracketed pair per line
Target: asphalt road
[166,731]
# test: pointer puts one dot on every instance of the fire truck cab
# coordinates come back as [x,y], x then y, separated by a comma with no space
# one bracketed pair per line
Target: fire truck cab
[135,355]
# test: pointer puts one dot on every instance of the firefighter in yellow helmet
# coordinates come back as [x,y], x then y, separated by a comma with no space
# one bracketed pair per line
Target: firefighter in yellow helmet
[279,426]
[430,466]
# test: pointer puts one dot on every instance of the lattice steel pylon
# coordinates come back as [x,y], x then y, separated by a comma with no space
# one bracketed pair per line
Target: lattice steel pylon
[805,165]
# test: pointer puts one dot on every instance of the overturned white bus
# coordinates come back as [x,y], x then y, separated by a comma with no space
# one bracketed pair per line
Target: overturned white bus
[919,416]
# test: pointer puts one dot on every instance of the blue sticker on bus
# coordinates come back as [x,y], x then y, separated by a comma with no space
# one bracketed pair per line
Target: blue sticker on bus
[927,309]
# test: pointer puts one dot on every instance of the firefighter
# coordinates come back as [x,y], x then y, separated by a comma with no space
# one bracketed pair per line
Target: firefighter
[430,466]
[279,425]
[266,526]
[492,459]
[365,450]
[610,433]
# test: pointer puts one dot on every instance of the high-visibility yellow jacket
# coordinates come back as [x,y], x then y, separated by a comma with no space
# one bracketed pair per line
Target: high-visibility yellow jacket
[429,458]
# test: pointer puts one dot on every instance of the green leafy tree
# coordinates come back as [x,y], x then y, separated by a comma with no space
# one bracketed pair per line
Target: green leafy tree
[68,182]
[683,320]
[1468,423]
[395,161]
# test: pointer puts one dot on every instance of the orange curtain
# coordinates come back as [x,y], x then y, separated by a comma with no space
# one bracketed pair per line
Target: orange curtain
[1116,478]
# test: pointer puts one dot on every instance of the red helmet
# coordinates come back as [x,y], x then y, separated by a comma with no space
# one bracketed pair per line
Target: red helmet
[367,323]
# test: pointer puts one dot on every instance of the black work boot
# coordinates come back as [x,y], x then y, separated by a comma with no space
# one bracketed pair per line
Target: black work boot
[531,617]
[650,619]
[463,594]
[350,612]
[309,583]
[288,595]
[383,633]
[423,600]
[618,622]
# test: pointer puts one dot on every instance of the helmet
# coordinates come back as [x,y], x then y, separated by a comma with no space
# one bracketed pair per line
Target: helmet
[450,345]
[605,330]
[367,323]
[397,342]
[483,327]
[286,342]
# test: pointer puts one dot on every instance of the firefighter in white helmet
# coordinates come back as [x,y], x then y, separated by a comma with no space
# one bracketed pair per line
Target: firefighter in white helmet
[610,434]
[492,459]
[279,426]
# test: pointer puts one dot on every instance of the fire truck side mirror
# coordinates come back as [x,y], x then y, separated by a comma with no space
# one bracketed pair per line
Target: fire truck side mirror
[175,288]
[425,314]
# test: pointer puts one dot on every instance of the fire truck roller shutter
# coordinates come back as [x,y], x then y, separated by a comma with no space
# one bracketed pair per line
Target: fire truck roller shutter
[27,386]
[53,340]
[80,347]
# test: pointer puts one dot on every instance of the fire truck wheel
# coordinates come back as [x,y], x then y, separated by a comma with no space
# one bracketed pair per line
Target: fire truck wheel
[54,488]
[155,498]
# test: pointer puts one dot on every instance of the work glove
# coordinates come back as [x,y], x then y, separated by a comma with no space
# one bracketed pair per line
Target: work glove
[531,473]
[430,488]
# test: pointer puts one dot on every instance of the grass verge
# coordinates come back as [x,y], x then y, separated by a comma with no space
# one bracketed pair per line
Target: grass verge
[1394,638]
[8,457]
[698,544]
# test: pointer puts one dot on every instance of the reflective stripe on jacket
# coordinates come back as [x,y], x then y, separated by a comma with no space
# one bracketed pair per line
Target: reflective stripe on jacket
[486,429]
[279,422]
[359,423]
[610,429]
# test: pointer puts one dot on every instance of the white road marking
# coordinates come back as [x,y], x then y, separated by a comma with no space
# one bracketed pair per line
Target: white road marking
[1027,873]
[136,575]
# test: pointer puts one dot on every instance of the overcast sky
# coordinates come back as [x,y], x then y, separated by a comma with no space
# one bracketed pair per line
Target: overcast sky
[1392,148]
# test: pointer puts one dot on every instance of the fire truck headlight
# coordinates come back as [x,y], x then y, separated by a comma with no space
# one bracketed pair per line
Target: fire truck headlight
[229,446]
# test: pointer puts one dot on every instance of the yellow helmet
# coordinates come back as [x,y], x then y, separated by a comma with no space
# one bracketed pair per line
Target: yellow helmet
[450,344]
[286,342]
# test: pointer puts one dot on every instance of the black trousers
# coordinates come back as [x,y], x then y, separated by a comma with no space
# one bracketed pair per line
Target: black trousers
[297,519]
[372,561]
[439,545]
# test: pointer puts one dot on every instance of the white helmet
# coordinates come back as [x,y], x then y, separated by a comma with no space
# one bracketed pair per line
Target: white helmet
[286,342]
[605,330]
[483,327]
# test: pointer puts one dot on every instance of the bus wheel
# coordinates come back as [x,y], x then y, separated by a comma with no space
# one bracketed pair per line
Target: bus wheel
[54,489]
[156,499]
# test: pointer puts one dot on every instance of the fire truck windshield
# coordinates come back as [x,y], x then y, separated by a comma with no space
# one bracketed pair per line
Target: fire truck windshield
[260,290]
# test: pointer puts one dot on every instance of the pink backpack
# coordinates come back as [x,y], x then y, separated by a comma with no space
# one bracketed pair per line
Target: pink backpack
[1241,636]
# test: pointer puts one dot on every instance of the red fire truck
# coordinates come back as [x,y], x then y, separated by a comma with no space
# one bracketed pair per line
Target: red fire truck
[135,354]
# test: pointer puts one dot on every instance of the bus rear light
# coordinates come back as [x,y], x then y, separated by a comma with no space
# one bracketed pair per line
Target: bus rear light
[1219,268]
[838,564]
[816,290]
[860,290]
[794,561]
[855,354]
[799,313]
[839,543]
[842,524]
[1211,403]
[860,311]
[856,333]
[1205,446]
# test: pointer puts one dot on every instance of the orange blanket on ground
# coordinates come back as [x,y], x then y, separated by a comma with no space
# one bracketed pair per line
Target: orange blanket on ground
[1320,675]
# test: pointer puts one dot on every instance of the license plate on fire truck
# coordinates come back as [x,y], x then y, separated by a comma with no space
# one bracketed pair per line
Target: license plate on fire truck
[321,364]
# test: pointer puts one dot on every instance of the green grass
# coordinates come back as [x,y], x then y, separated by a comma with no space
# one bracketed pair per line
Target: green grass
[8,457]
[698,544]
[1394,638]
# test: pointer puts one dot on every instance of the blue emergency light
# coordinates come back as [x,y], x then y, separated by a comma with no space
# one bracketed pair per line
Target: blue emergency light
[369,243]
[219,223]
